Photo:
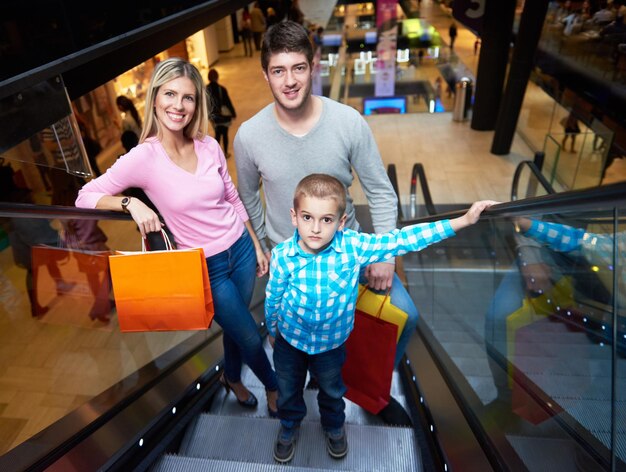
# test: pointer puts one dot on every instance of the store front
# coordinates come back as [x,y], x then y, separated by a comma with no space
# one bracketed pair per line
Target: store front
[99,119]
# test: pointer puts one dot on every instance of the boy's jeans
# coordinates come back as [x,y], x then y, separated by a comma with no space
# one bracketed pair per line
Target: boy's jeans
[291,366]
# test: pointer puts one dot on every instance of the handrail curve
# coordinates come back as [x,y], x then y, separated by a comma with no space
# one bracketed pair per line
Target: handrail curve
[536,173]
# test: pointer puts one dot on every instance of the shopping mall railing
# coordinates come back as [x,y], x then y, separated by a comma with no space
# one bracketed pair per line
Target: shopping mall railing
[529,329]
[66,368]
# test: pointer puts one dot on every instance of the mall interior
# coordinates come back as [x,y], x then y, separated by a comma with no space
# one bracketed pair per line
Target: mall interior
[515,362]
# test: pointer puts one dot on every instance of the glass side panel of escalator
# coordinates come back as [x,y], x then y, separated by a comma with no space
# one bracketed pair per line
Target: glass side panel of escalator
[526,325]
[61,345]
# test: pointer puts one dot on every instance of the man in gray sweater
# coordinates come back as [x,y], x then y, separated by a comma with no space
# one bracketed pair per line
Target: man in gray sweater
[300,134]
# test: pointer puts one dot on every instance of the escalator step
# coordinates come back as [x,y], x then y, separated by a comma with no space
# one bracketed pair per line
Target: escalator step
[251,439]
[228,406]
[171,463]
[250,380]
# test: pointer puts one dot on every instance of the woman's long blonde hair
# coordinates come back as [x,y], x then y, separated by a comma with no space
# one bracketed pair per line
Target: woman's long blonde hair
[164,72]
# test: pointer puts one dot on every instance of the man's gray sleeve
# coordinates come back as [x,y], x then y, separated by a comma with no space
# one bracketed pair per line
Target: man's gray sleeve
[369,167]
[248,185]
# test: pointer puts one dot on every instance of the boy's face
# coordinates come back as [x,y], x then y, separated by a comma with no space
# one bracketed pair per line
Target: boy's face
[317,220]
[289,77]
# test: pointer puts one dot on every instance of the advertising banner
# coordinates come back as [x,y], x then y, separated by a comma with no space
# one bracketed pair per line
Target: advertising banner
[387,34]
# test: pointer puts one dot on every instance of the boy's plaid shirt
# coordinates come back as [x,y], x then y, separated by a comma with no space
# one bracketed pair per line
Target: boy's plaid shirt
[310,298]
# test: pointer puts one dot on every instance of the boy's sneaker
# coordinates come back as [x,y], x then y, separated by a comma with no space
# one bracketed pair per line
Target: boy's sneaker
[285,445]
[337,444]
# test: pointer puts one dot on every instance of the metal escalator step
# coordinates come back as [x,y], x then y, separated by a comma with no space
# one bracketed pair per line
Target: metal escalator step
[251,381]
[249,439]
[227,405]
[172,463]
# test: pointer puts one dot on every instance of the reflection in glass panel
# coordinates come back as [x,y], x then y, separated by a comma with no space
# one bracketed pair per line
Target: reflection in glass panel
[61,343]
[538,106]
[524,311]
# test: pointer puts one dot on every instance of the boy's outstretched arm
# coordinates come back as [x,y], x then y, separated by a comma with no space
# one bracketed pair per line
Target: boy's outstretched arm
[472,215]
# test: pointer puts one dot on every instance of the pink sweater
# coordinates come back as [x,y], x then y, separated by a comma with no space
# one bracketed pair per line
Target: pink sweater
[201,209]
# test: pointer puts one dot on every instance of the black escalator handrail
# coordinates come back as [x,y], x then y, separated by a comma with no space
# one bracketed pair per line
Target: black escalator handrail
[28,210]
[418,171]
[536,173]
[611,195]
[393,178]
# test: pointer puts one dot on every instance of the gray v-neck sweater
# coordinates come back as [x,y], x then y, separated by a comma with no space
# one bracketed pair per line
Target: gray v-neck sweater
[270,159]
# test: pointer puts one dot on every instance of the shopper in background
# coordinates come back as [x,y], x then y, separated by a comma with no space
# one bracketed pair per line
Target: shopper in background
[258,24]
[221,109]
[131,121]
[246,31]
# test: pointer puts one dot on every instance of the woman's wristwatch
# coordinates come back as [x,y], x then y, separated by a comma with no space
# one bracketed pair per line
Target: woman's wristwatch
[125,203]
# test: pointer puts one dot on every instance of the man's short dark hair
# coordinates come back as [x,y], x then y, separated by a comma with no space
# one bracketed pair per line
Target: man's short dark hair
[285,36]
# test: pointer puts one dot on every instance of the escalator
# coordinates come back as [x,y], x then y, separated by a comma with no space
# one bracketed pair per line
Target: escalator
[483,395]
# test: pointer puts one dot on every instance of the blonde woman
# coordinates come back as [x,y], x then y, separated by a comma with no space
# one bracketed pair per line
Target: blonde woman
[183,171]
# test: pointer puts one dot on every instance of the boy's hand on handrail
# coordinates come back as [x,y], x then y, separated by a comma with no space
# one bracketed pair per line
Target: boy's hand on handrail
[472,215]
[523,224]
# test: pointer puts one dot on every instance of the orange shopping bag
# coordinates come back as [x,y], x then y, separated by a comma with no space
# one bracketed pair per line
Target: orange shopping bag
[162,290]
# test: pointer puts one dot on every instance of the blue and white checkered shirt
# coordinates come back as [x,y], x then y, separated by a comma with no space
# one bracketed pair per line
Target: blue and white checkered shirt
[596,248]
[559,237]
[310,298]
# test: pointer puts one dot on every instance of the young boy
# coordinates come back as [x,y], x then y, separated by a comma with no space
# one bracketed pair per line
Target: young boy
[311,297]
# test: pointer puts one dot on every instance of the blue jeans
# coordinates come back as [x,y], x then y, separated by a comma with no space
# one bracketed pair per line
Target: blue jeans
[400,298]
[232,274]
[291,368]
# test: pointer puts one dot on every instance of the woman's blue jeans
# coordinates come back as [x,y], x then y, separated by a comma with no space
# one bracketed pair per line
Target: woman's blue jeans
[232,274]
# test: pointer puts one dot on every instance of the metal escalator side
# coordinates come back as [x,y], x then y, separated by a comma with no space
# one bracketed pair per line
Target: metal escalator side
[155,406]
[482,405]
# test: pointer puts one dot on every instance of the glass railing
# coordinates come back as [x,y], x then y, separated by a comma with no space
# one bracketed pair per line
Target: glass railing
[527,311]
[61,342]
[573,160]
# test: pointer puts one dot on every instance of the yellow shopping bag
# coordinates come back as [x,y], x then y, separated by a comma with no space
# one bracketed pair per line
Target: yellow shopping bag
[374,303]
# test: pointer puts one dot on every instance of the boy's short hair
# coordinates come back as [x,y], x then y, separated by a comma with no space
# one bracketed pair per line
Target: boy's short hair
[285,36]
[321,186]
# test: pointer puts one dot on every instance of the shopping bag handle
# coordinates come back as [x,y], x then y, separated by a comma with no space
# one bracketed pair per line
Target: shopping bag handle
[380,309]
[168,243]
